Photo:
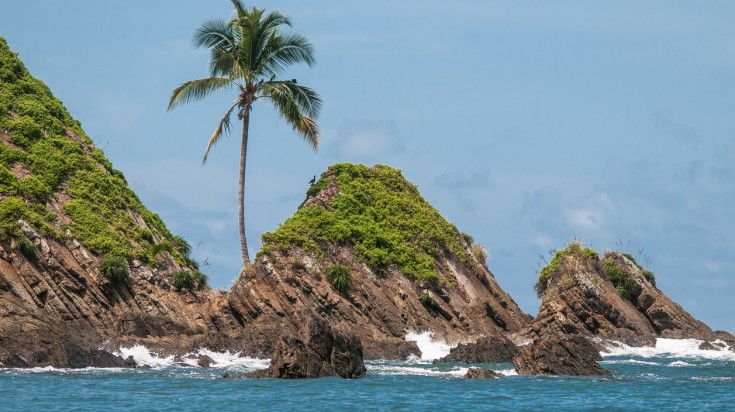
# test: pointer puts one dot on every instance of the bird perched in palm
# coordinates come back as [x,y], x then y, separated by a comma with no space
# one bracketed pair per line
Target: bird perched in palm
[247,53]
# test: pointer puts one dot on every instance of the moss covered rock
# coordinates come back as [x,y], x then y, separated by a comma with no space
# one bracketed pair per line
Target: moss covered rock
[53,177]
[381,215]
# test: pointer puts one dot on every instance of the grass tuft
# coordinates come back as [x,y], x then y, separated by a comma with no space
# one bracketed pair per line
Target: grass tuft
[28,249]
[339,277]
[193,281]
[115,269]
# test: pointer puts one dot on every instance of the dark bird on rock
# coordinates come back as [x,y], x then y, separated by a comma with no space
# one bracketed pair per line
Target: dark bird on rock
[312,181]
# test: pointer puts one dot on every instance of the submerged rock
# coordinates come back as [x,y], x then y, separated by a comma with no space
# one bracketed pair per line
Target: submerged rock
[559,355]
[482,373]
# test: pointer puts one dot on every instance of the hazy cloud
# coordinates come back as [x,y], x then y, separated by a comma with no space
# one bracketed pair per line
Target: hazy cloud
[666,127]
[367,139]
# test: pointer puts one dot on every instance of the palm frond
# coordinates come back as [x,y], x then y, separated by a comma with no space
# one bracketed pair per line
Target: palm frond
[286,50]
[297,105]
[223,127]
[214,33]
[197,90]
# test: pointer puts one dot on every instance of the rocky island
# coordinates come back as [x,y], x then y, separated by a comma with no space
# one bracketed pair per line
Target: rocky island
[86,268]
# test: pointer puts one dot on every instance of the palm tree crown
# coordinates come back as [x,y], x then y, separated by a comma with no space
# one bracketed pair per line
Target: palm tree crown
[248,52]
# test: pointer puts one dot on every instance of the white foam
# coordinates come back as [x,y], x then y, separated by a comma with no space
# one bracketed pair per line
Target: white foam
[430,348]
[628,361]
[398,369]
[672,348]
[143,356]
[680,363]
[226,359]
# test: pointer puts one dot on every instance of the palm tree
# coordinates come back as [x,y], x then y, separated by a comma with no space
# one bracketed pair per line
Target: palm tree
[248,52]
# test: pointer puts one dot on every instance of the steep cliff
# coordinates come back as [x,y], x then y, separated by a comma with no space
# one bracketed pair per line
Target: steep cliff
[81,259]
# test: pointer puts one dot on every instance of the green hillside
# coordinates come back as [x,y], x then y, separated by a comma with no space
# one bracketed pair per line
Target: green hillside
[383,217]
[54,178]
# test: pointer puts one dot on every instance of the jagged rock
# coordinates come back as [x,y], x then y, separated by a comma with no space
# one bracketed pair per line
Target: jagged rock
[493,349]
[579,298]
[559,355]
[482,373]
[317,351]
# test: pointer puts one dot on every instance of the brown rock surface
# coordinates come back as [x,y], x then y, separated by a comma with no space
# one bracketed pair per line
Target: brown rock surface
[317,351]
[580,299]
[379,310]
[493,349]
[59,310]
[553,354]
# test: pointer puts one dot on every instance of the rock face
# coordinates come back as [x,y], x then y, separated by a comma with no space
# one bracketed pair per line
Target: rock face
[64,212]
[317,351]
[494,349]
[581,298]
[610,298]
[571,355]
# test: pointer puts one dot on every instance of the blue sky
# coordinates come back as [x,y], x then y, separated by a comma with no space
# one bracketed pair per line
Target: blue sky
[525,123]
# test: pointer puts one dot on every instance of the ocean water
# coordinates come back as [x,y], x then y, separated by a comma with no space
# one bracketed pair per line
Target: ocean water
[675,375]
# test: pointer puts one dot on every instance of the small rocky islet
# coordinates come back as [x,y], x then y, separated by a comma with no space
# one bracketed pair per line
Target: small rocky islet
[85,268]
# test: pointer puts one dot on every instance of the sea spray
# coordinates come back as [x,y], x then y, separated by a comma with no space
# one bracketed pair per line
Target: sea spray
[671,348]
[430,348]
[143,356]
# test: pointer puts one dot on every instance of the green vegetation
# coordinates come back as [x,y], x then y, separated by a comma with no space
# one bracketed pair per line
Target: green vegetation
[43,151]
[576,248]
[115,269]
[382,216]
[339,277]
[622,280]
[428,302]
[248,51]
[479,251]
[27,248]
[195,280]
[650,277]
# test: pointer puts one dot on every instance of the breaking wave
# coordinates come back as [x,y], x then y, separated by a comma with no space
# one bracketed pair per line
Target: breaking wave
[431,348]
[145,357]
[672,348]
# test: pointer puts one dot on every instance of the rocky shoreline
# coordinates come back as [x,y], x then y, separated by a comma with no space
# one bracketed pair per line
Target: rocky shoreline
[86,269]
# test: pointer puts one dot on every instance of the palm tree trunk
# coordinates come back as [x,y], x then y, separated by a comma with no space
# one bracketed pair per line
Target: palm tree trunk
[241,189]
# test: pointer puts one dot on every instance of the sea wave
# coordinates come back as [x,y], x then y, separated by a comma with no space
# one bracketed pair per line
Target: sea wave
[145,357]
[671,348]
[431,348]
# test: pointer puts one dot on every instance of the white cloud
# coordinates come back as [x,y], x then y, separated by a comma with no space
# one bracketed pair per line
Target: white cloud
[367,140]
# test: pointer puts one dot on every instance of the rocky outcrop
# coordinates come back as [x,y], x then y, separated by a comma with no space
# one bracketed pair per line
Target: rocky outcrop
[455,296]
[579,297]
[482,373]
[317,351]
[553,354]
[495,349]
[612,298]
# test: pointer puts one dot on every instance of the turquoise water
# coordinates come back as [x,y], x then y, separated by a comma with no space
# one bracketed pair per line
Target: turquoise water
[703,380]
